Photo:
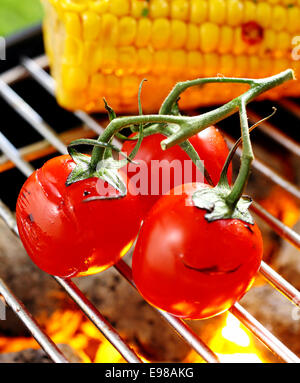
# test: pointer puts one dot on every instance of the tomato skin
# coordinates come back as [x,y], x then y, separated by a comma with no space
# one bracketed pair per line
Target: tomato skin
[67,237]
[175,240]
[209,144]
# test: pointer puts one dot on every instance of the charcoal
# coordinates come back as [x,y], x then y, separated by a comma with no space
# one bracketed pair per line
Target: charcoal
[38,356]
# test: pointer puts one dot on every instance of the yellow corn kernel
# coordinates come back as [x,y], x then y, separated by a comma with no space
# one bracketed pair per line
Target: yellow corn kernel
[242,65]
[160,33]
[109,59]
[180,9]
[249,11]
[72,24]
[269,42]
[126,60]
[194,63]
[284,41]
[129,86]
[279,18]
[211,64]
[254,66]
[178,34]
[112,85]
[74,78]
[158,8]
[234,12]
[99,6]
[209,37]
[144,61]
[227,64]
[96,61]
[91,25]
[263,14]
[217,11]
[73,51]
[73,5]
[109,29]
[280,64]
[177,61]
[137,7]
[119,7]
[127,30]
[226,39]
[198,11]
[97,84]
[239,45]
[193,37]
[160,62]
[143,34]
[293,17]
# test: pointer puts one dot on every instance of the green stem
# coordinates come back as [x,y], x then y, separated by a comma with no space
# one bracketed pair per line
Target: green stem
[246,160]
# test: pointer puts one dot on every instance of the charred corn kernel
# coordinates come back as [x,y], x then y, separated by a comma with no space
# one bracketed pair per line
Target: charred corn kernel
[209,37]
[226,39]
[127,30]
[143,34]
[103,48]
[178,34]
[249,11]
[160,33]
[234,12]
[193,37]
[217,11]
[198,11]
[263,14]
[91,25]
[180,9]
[119,7]
[73,24]
[158,8]
[279,18]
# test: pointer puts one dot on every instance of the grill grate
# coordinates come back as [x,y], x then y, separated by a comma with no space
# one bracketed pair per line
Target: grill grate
[20,159]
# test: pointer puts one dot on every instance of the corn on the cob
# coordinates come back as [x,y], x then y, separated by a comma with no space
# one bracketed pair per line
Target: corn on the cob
[103,48]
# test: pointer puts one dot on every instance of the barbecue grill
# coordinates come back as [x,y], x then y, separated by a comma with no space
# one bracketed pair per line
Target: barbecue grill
[18,69]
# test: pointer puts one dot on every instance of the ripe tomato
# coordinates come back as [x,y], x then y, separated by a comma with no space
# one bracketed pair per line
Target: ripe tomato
[209,144]
[189,267]
[67,236]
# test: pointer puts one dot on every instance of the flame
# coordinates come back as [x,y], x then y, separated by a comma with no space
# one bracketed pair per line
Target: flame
[232,343]
[282,206]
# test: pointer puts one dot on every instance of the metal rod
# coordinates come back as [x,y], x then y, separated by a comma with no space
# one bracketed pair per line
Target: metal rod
[267,171]
[291,106]
[264,335]
[48,83]
[31,116]
[276,134]
[45,342]
[102,324]
[280,283]
[12,153]
[179,326]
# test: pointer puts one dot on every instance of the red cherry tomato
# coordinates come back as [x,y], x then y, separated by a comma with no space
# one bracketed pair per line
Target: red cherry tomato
[210,146]
[192,268]
[66,235]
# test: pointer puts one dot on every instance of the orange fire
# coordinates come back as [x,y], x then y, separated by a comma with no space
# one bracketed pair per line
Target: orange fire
[231,342]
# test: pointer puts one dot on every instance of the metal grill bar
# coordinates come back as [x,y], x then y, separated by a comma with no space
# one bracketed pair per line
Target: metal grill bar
[45,342]
[274,133]
[263,334]
[103,325]
[180,327]
[31,116]
[267,338]
[291,106]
